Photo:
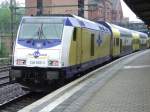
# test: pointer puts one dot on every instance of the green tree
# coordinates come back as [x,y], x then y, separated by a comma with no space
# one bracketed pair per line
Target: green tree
[4,17]
[4,20]
[4,51]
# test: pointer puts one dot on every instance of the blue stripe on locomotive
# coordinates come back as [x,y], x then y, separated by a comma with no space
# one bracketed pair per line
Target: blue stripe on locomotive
[39,44]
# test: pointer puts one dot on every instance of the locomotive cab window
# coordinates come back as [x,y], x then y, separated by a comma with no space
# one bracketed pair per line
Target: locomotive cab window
[38,28]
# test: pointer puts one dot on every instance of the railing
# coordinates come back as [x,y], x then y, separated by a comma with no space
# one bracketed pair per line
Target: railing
[4,70]
[5,61]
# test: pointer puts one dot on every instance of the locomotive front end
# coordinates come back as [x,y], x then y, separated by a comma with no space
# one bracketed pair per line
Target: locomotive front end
[37,51]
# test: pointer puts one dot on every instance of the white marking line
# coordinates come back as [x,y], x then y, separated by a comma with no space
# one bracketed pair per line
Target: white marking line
[58,101]
[141,66]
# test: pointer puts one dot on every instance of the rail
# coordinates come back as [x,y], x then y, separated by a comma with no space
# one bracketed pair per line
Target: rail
[10,93]
[4,71]
[4,75]
[5,61]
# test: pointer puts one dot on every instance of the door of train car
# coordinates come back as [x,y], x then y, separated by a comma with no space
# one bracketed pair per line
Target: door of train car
[79,46]
[88,46]
[121,47]
[116,42]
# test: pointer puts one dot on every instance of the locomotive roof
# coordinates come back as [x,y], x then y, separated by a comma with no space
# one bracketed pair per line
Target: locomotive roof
[72,20]
[123,31]
[143,35]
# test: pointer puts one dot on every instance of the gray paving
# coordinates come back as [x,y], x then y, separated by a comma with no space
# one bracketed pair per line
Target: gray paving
[127,91]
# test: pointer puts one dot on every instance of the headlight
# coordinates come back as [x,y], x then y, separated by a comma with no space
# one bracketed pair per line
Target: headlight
[20,62]
[53,63]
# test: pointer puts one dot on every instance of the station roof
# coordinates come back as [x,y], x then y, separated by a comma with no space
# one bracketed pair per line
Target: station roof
[141,8]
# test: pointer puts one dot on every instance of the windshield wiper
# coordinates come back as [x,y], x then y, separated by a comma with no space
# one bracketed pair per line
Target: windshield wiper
[40,32]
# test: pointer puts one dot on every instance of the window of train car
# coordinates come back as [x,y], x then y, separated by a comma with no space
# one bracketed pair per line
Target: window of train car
[117,41]
[74,34]
[92,44]
[41,29]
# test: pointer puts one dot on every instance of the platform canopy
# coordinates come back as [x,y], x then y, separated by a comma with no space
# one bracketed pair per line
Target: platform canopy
[141,8]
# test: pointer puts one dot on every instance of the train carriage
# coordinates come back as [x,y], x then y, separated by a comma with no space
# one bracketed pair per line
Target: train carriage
[143,40]
[135,41]
[115,39]
[148,43]
[125,40]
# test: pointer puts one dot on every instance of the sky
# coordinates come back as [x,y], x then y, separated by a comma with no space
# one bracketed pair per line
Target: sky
[126,11]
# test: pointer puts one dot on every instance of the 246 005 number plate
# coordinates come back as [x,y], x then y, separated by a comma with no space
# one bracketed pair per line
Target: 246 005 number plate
[37,62]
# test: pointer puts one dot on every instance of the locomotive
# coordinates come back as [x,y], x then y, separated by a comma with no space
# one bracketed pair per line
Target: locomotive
[54,48]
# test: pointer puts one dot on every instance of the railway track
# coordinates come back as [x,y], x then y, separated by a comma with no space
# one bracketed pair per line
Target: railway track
[4,75]
[11,92]
[21,102]
[5,68]
[14,98]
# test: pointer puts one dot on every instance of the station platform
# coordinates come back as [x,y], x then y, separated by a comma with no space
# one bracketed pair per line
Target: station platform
[127,89]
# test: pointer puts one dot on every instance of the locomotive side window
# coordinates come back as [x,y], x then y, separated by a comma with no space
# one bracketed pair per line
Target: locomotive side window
[92,44]
[75,34]
[117,42]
